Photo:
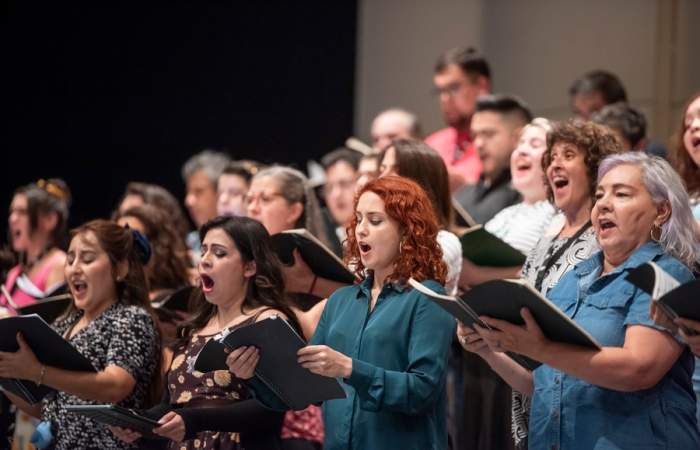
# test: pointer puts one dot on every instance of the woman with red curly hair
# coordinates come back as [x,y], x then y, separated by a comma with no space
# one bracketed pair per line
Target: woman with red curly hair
[386,341]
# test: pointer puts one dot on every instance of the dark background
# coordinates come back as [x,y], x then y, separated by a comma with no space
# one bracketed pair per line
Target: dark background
[100,95]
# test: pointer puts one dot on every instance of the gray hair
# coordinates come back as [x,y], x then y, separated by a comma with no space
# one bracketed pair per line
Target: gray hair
[663,184]
[407,119]
[210,161]
[294,187]
[541,123]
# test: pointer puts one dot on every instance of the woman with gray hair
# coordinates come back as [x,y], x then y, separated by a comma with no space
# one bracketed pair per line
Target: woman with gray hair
[636,391]
[281,198]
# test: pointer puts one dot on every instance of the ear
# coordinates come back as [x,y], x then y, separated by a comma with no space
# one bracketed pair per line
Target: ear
[515,135]
[663,213]
[484,85]
[295,211]
[250,269]
[122,269]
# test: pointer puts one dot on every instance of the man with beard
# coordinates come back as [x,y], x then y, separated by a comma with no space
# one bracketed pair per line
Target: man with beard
[461,76]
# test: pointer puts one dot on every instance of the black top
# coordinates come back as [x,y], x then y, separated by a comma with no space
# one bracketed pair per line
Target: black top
[483,202]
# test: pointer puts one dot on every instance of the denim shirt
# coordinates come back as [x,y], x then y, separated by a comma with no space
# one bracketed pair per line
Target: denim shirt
[569,413]
[396,392]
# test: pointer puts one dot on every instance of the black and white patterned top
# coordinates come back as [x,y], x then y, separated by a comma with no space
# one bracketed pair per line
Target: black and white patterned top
[124,336]
[582,248]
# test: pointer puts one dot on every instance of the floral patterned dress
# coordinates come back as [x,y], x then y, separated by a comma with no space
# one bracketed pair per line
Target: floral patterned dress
[189,387]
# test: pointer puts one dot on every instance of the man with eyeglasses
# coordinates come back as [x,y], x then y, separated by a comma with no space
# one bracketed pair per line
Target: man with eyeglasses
[461,76]
[339,191]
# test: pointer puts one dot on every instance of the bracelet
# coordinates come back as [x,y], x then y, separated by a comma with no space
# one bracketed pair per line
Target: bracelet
[41,375]
[313,284]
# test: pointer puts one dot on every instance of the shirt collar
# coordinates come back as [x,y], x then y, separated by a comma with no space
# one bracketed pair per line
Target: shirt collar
[365,286]
[646,252]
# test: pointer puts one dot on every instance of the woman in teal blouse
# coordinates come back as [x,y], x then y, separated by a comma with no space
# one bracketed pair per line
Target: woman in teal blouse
[386,341]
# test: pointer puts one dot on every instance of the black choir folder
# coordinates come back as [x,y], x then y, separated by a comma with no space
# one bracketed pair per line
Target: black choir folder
[277,368]
[674,299]
[119,417]
[48,346]
[321,260]
[484,249]
[47,308]
[503,299]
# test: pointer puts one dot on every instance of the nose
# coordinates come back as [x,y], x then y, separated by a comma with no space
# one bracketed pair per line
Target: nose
[603,203]
[253,208]
[695,123]
[361,228]
[205,261]
[189,200]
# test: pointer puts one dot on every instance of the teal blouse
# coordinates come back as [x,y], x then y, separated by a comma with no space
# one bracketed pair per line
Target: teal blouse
[396,392]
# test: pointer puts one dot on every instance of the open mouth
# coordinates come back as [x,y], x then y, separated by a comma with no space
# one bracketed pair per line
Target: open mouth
[695,141]
[79,287]
[207,282]
[605,224]
[560,182]
[364,248]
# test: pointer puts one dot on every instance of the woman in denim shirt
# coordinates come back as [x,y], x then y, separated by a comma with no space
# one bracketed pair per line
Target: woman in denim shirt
[636,392]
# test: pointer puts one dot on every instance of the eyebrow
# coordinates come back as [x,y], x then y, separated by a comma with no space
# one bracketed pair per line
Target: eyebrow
[619,185]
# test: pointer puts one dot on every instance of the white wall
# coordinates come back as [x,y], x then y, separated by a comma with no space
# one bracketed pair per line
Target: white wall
[536,49]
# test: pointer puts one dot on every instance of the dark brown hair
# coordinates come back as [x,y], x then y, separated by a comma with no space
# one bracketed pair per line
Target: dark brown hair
[473,64]
[265,288]
[419,162]
[45,197]
[170,259]
[680,158]
[158,196]
[595,141]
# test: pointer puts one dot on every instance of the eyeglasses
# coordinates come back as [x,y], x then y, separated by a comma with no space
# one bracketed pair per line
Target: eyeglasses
[451,89]
[262,197]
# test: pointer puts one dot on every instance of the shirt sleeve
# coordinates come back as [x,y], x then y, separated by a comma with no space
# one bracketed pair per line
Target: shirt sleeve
[416,389]
[452,256]
[134,342]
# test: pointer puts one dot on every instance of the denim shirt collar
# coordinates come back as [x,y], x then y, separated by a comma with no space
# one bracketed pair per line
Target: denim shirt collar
[647,252]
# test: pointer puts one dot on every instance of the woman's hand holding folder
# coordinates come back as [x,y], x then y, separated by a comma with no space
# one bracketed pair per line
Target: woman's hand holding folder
[21,364]
[243,361]
[471,341]
[528,340]
[323,360]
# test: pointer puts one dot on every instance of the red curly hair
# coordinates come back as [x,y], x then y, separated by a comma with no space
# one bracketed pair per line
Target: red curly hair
[407,203]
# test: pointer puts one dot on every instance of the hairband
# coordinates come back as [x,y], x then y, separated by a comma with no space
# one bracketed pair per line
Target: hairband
[52,188]
[141,245]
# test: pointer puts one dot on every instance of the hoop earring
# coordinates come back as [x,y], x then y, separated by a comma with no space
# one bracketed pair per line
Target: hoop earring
[651,233]
[401,243]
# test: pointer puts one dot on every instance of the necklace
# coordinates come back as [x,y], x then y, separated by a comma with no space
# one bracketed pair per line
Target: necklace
[27,266]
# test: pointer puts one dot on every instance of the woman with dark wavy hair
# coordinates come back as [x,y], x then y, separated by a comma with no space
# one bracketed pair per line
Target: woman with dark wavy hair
[241,283]
[386,341]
